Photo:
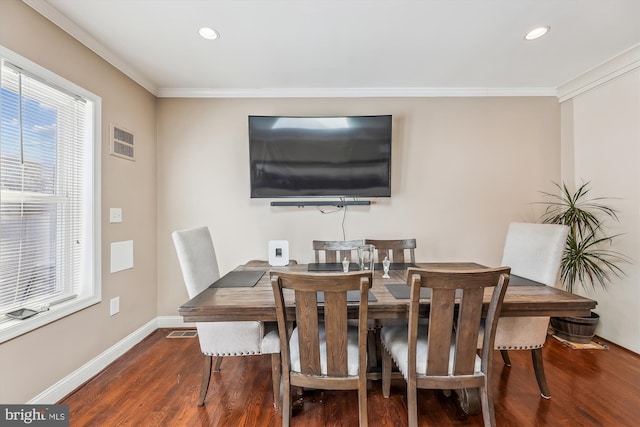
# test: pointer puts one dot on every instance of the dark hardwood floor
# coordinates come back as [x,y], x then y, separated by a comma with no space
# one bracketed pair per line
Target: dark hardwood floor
[157,382]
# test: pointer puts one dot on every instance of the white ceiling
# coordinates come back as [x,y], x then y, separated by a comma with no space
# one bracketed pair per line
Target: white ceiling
[349,47]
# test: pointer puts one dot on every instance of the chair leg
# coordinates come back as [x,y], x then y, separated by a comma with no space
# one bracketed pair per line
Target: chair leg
[206,378]
[412,403]
[386,373]
[486,400]
[286,400]
[538,367]
[505,357]
[276,369]
[218,363]
[362,402]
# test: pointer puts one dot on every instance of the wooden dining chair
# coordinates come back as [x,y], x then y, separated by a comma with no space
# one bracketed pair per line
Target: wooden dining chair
[323,351]
[331,251]
[533,251]
[433,356]
[199,266]
[395,250]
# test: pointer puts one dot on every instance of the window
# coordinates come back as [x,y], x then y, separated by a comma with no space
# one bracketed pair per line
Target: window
[49,201]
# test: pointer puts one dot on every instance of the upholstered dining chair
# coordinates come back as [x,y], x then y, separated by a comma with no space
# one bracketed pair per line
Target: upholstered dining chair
[322,351]
[331,251]
[533,251]
[199,265]
[395,250]
[433,355]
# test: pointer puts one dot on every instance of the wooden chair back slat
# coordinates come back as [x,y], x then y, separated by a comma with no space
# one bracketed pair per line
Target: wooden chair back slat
[394,249]
[467,328]
[440,331]
[335,320]
[307,322]
[332,251]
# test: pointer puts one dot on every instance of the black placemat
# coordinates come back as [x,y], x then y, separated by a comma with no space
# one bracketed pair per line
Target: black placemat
[238,279]
[521,281]
[395,266]
[352,296]
[331,266]
[403,291]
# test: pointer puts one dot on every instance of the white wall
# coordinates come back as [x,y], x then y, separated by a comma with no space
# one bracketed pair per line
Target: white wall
[601,141]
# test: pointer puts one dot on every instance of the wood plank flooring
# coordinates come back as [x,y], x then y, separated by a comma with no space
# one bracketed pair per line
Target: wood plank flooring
[157,382]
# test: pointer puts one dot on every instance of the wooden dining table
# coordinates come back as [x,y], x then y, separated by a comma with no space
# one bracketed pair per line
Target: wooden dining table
[236,300]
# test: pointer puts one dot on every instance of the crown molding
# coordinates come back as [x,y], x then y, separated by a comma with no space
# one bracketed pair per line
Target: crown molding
[621,64]
[389,92]
[45,9]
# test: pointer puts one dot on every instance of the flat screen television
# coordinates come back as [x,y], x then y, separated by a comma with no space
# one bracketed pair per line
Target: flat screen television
[348,156]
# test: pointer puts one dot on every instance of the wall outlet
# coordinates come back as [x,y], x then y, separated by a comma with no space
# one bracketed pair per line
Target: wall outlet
[115,306]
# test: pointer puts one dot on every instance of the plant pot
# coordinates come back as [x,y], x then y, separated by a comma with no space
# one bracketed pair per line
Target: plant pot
[575,329]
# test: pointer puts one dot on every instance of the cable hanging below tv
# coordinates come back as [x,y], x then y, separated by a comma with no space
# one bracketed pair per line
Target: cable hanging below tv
[338,203]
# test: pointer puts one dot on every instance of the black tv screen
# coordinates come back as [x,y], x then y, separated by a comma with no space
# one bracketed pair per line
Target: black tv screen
[347,156]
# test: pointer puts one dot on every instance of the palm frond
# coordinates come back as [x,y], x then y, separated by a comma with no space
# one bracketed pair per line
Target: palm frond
[584,261]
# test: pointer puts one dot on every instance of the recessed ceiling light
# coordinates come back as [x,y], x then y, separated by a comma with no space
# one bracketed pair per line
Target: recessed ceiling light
[208,33]
[536,33]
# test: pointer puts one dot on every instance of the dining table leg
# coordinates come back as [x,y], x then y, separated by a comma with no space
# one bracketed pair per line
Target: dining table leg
[469,399]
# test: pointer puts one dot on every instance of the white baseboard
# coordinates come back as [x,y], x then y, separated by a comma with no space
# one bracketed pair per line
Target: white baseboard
[90,369]
[173,322]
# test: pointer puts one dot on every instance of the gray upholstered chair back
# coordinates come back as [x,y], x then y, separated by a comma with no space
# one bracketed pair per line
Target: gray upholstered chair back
[534,251]
[197,258]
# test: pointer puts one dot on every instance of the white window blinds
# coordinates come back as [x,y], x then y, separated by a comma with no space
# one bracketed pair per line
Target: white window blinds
[43,212]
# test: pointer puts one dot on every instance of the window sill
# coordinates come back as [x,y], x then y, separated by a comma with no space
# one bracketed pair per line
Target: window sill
[11,328]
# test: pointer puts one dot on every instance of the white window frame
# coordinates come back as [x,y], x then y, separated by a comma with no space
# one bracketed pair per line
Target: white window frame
[90,292]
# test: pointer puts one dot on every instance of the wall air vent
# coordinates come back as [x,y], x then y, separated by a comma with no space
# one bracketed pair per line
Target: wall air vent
[122,143]
[183,334]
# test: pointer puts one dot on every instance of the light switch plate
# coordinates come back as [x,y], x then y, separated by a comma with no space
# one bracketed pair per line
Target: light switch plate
[115,215]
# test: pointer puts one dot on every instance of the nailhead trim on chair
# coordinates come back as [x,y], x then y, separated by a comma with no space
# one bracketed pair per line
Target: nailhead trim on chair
[524,347]
[232,354]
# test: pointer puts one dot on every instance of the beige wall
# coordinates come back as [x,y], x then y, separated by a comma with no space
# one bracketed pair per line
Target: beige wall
[43,357]
[601,129]
[463,168]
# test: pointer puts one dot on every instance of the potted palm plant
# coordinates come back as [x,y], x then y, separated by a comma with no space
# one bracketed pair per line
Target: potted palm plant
[587,259]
